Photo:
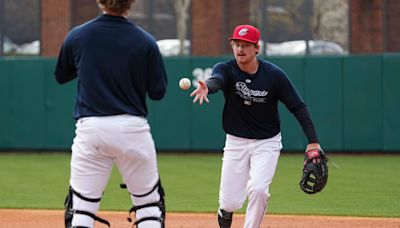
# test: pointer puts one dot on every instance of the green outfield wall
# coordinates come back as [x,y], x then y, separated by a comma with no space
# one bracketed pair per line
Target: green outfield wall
[354,102]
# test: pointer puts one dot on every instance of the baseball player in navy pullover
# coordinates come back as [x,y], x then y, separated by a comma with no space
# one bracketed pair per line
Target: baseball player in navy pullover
[252,88]
[117,65]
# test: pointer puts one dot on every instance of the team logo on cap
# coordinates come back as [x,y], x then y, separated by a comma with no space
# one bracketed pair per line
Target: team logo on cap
[243,31]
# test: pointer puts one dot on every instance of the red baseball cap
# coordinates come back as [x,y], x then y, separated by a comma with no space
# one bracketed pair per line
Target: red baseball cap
[247,33]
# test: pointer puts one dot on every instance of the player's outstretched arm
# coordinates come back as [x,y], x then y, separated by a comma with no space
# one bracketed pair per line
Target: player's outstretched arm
[200,94]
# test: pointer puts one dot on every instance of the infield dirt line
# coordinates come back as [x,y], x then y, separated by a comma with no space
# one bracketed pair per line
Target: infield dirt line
[23,218]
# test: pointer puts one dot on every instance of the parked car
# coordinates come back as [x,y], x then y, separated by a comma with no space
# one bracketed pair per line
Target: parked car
[171,47]
[9,47]
[298,47]
[32,48]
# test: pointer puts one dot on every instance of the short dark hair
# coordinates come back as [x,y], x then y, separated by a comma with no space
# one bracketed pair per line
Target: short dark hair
[117,6]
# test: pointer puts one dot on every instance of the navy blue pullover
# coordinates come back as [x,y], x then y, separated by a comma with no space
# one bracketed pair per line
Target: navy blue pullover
[116,63]
[251,100]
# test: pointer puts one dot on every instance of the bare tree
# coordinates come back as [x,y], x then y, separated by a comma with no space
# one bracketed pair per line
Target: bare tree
[282,20]
[181,9]
[330,21]
[256,12]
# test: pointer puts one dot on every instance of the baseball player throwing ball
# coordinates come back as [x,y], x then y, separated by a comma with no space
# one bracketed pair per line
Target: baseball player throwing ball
[117,65]
[252,88]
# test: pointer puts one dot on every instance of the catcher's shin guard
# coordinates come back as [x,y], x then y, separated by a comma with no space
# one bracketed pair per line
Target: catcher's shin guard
[224,218]
[160,204]
[70,211]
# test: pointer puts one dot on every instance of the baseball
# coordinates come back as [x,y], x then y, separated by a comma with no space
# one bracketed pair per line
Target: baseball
[184,83]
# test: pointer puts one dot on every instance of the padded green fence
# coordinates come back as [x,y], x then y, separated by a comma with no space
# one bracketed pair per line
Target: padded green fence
[354,102]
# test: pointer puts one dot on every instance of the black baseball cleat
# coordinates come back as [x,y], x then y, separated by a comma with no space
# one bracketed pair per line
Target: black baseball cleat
[224,218]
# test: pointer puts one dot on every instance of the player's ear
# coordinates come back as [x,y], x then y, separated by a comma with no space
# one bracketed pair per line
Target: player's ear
[257,47]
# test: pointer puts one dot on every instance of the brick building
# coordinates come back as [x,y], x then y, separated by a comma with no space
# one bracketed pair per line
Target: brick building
[57,19]
[374,24]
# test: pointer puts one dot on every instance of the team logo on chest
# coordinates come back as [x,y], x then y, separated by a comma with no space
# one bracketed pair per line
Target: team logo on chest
[249,95]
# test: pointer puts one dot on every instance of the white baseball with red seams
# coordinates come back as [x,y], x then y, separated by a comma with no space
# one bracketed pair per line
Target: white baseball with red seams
[184,83]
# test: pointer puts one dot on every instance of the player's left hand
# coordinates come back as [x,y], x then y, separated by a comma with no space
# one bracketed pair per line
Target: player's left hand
[315,171]
[200,93]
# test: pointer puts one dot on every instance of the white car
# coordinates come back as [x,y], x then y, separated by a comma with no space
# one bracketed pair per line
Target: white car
[170,47]
[298,47]
[32,48]
[9,47]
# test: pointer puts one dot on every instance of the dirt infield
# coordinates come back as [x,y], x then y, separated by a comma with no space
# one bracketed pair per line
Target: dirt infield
[54,219]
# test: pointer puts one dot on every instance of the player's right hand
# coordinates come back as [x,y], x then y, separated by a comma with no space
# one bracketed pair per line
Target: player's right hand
[200,93]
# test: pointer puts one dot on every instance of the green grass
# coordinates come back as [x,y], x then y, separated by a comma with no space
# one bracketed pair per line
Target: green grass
[365,185]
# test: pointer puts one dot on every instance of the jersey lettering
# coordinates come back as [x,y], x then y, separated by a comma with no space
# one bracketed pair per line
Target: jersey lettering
[258,96]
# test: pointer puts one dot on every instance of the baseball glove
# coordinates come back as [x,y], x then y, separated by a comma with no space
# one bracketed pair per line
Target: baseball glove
[315,171]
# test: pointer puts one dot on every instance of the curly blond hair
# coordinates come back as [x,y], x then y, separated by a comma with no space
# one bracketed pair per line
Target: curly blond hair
[116,6]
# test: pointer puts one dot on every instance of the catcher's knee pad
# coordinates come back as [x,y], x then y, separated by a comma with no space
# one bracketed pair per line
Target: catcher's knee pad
[150,207]
[224,218]
[70,211]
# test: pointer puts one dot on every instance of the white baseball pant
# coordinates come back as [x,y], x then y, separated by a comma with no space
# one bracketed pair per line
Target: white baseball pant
[123,140]
[248,168]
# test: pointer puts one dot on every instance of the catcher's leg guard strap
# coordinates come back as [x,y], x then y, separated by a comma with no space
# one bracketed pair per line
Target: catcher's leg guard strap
[160,204]
[224,218]
[70,211]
